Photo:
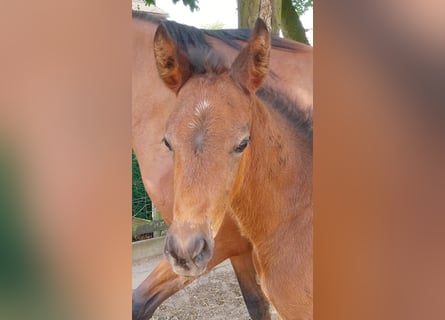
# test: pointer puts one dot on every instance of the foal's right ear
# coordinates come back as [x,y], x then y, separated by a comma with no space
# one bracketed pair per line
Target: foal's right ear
[251,66]
[173,66]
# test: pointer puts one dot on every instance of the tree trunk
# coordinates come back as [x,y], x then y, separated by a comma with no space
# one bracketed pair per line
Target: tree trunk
[290,23]
[277,14]
[268,10]
[265,12]
[247,13]
[276,18]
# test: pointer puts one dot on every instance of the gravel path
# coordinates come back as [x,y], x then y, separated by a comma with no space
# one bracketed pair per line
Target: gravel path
[214,296]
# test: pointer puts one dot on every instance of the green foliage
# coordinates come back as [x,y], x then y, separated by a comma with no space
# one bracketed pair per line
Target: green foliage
[141,203]
[213,26]
[301,6]
[193,4]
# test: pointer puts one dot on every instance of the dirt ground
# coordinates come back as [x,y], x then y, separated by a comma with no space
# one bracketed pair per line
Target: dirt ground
[214,296]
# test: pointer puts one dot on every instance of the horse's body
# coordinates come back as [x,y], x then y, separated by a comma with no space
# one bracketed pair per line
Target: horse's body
[153,104]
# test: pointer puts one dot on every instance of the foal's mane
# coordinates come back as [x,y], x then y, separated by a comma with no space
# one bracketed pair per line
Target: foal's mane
[228,36]
[204,59]
[299,119]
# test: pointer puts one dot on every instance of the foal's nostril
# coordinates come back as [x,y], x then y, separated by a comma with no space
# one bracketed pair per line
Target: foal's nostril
[202,251]
[199,247]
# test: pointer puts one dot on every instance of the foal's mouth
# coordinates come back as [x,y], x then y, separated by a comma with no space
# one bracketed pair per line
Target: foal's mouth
[189,272]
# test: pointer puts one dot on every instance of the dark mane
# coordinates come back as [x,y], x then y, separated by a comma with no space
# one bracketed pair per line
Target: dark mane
[228,36]
[190,40]
[148,16]
[205,59]
[280,102]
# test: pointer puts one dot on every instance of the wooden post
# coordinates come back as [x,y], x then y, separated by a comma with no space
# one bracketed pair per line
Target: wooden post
[155,216]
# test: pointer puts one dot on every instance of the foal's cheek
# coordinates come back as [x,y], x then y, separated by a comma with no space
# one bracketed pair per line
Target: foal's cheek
[235,179]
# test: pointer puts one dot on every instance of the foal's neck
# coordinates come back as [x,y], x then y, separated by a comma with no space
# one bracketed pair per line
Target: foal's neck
[277,178]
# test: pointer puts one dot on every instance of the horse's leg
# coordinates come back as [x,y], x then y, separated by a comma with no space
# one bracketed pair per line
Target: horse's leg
[160,284]
[256,302]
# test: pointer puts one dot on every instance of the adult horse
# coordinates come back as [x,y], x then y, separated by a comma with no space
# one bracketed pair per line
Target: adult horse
[152,105]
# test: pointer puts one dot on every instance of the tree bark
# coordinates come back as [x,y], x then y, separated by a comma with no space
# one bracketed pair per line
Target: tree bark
[265,12]
[268,10]
[276,18]
[277,14]
[247,13]
[290,23]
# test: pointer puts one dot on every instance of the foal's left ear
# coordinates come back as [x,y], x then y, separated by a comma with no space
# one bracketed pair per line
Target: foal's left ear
[173,66]
[251,66]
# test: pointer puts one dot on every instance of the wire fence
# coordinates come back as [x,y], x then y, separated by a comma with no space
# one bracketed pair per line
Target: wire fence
[147,222]
[141,203]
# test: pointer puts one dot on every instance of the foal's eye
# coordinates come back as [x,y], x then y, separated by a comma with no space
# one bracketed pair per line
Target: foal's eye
[243,144]
[167,144]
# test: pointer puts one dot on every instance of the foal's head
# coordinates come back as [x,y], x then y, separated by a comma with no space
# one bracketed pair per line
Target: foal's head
[208,135]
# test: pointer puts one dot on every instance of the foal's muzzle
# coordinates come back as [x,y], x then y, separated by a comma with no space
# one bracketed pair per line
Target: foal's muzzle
[188,254]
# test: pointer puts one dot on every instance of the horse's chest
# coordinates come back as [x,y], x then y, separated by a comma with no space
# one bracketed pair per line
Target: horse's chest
[261,272]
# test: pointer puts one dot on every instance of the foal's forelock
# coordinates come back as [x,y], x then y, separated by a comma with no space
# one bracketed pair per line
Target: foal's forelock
[206,60]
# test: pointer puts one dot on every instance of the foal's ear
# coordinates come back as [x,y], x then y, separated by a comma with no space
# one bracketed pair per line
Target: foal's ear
[173,66]
[251,66]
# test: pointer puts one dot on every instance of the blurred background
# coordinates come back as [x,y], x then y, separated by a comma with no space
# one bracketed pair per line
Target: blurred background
[66,193]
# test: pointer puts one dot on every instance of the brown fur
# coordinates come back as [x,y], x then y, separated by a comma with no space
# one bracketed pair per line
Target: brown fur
[173,72]
[153,103]
[252,72]
[266,188]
